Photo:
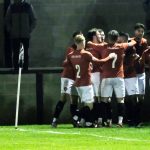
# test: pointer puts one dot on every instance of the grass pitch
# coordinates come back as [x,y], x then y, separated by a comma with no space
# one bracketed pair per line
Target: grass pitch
[65,137]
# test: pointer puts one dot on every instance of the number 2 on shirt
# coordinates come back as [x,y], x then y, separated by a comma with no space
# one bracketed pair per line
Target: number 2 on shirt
[114,61]
[78,71]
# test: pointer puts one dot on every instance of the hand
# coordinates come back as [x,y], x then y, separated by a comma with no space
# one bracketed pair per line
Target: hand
[112,55]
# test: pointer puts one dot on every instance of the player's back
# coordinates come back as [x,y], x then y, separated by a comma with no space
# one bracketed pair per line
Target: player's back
[113,68]
[80,60]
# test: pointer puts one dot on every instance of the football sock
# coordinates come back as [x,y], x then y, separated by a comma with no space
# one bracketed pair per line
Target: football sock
[103,111]
[100,113]
[95,111]
[128,108]
[138,112]
[73,109]
[58,109]
[120,119]
[108,111]
[120,112]
[75,117]
[85,113]
[54,119]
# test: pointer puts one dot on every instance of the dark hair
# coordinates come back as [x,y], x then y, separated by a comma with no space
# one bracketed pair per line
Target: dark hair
[126,35]
[100,30]
[76,33]
[139,25]
[113,35]
[91,33]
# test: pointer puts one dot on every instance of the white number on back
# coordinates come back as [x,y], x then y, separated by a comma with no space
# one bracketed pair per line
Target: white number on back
[78,71]
[114,61]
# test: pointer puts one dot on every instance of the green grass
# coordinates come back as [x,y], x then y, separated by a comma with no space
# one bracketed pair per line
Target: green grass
[65,137]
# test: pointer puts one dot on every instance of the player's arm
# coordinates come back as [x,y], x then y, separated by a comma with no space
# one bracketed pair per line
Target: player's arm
[67,62]
[145,45]
[102,61]
[142,58]
[145,59]
[130,44]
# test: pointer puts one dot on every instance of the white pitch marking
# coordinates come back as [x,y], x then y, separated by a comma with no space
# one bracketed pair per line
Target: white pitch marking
[119,138]
[79,133]
[48,131]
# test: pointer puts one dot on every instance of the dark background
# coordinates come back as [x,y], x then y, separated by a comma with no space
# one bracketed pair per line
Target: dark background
[57,20]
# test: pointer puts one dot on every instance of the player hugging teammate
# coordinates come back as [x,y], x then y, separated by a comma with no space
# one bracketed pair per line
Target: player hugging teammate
[96,69]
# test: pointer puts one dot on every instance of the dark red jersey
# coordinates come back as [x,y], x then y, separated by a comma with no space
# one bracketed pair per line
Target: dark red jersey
[140,47]
[145,59]
[93,50]
[113,68]
[67,69]
[81,60]
[129,63]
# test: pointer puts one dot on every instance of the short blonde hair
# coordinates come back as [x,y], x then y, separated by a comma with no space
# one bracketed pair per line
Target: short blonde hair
[79,39]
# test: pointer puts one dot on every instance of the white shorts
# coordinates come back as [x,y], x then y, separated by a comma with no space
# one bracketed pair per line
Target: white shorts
[110,84]
[95,78]
[131,86]
[86,93]
[141,83]
[66,85]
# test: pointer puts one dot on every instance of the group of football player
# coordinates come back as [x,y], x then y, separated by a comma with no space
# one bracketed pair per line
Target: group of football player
[94,69]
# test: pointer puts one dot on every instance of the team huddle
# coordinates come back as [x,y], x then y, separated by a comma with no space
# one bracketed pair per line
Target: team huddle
[94,69]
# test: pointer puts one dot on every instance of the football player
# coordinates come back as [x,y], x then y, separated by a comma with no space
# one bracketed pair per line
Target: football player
[94,36]
[81,60]
[140,47]
[67,81]
[131,80]
[113,74]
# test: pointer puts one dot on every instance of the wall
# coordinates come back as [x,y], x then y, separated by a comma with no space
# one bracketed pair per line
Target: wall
[58,19]
[1,34]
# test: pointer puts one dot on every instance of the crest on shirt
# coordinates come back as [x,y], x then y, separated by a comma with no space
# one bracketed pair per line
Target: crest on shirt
[65,88]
